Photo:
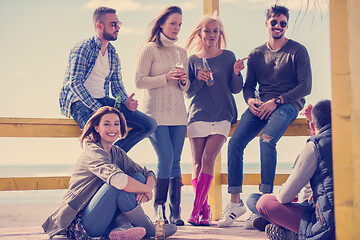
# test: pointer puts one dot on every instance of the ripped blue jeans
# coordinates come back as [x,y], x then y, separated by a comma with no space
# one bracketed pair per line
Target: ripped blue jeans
[248,128]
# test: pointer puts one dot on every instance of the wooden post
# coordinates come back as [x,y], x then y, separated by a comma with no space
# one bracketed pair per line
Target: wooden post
[215,193]
[345,51]
[210,6]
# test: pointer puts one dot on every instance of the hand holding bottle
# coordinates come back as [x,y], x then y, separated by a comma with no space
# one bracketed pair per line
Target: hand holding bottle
[209,74]
[178,73]
[205,76]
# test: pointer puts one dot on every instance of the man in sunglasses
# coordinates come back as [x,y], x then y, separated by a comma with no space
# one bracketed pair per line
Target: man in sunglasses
[277,80]
[92,68]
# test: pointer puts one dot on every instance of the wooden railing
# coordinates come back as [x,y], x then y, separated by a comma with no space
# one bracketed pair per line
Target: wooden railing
[68,128]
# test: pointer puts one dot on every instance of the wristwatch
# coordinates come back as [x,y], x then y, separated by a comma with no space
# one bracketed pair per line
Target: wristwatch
[278,101]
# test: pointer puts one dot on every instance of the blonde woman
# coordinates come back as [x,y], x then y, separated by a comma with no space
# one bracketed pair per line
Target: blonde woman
[163,86]
[212,109]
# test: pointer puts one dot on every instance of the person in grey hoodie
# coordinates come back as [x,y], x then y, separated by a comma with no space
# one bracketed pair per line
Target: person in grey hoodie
[106,187]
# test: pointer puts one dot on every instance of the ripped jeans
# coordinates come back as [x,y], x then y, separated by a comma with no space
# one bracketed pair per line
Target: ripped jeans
[247,129]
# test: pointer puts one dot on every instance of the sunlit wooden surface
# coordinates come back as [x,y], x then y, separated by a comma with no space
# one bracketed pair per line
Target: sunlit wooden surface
[345,75]
[63,128]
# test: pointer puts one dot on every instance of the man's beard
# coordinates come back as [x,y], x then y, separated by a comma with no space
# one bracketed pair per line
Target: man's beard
[277,37]
[109,37]
[274,36]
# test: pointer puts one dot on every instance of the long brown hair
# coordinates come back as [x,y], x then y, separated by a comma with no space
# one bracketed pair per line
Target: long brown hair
[155,29]
[89,129]
[194,40]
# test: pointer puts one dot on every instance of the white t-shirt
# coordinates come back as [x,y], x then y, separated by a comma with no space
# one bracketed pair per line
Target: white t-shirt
[96,80]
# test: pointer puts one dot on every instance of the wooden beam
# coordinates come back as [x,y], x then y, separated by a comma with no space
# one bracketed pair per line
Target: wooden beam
[61,128]
[62,182]
[38,127]
[34,183]
[345,75]
[209,6]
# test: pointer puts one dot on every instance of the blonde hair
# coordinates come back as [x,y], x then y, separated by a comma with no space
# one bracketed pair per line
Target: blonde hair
[194,40]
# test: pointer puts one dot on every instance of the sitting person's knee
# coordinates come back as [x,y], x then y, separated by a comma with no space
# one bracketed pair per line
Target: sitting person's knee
[264,203]
[139,176]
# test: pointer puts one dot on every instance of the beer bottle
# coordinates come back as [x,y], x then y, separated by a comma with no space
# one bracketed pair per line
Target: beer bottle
[160,224]
[117,104]
[207,69]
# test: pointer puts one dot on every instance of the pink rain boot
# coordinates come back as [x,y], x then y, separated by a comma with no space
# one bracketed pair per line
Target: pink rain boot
[206,214]
[202,190]
[205,211]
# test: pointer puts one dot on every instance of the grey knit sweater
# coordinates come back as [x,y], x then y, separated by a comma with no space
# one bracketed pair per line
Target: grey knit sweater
[286,72]
[214,103]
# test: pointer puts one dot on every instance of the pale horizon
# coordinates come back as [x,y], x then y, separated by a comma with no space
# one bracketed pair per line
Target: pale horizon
[38,35]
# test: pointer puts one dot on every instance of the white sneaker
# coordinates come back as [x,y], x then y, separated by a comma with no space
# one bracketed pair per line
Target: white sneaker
[256,222]
[248,223]
[231,213]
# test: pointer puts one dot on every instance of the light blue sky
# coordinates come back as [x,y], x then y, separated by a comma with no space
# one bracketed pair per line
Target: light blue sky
[37,35]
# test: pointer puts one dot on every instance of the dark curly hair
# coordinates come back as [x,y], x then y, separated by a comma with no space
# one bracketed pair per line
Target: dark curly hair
[277,10]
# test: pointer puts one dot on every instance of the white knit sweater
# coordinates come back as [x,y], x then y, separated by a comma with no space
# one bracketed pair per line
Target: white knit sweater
[163,100]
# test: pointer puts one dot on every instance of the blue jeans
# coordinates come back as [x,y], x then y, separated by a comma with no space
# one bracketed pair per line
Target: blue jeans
[142,125]
[168,142]
[247,129]
[99,215]
[251,202]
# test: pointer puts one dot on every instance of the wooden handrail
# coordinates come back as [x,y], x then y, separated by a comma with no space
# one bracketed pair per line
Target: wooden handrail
[64,128]
[62,182]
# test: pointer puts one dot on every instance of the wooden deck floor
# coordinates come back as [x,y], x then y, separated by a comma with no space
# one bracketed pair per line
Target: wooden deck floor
[187,232]
[23,221]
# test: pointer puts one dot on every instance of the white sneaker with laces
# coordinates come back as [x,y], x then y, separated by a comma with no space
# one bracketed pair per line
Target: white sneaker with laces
[231,213]
[248,223]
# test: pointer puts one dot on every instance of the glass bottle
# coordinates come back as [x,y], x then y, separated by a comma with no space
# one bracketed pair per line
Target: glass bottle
[179,64]
[207,69]
[160,224]
[117,104]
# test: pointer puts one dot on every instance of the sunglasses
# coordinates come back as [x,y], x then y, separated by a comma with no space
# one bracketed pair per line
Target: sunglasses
[114,25]
[283,24]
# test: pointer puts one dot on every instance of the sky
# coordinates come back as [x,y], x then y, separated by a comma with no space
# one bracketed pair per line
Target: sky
[37,36]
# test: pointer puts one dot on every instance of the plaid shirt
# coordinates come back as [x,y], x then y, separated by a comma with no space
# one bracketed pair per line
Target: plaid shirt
[81,62]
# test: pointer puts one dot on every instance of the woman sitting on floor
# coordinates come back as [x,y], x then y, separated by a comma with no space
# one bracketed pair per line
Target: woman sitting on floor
[106,188]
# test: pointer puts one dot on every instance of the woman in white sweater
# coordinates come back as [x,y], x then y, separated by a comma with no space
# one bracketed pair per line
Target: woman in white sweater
[163,85]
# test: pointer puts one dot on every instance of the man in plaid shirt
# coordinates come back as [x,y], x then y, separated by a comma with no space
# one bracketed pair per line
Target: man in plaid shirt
[93,67]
